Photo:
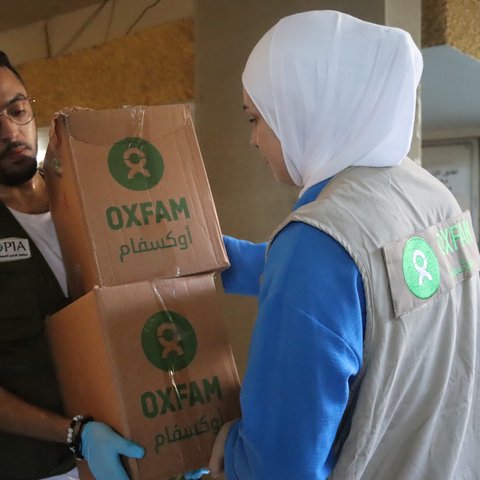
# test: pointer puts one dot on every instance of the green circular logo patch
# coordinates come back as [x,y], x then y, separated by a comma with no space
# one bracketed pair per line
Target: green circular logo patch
[135,163]
[169,341]
[420,268]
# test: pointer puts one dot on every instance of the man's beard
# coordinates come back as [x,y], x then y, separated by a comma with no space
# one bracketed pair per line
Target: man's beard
[19,171]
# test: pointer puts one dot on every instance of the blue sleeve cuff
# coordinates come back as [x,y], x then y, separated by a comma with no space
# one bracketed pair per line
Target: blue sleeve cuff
[247,260]
[229,450]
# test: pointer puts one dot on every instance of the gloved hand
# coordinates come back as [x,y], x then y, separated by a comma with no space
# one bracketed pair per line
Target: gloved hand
[102,448]
[195,474]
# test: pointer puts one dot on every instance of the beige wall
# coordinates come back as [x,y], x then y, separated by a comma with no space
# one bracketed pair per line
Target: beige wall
[147,68]
[86,58]
[88,27]
[452,22]
[249,202]
[434,22]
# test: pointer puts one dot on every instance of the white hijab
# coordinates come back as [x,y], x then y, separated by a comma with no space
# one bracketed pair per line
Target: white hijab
[336,91]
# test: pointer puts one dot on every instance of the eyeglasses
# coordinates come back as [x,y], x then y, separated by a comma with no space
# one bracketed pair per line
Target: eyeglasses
[20,111]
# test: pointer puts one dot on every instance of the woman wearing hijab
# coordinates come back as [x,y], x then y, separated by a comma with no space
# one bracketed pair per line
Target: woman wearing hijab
[363,360]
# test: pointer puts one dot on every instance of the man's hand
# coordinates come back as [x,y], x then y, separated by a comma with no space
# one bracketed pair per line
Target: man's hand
[218,450]
[102,448]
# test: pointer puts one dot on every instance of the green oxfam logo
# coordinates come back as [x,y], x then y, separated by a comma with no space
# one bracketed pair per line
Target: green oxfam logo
[135,163]
[169,341]
[420,268]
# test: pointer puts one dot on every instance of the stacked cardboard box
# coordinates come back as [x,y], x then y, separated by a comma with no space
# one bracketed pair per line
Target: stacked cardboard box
[142,347]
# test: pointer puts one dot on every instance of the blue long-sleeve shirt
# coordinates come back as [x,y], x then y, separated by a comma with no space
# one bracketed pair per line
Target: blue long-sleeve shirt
[306,348]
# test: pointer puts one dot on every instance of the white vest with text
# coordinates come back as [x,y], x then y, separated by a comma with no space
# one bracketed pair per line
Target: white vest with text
[415,407]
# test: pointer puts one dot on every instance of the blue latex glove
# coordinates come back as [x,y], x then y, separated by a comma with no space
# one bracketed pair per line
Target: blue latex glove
[102,448]
[195,474]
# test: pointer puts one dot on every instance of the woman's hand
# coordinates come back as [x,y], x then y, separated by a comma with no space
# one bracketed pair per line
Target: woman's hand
[216,464]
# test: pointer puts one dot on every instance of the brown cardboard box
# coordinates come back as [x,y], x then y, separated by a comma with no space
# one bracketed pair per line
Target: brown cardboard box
[152,360]
[130,197]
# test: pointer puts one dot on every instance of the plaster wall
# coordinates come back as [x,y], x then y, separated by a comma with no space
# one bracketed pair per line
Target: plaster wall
[88,27]
[86,57]
[463,26]
[452,22]
[151,67]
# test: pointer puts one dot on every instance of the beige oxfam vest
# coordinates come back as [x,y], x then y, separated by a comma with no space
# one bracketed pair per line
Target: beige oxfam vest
[415,410]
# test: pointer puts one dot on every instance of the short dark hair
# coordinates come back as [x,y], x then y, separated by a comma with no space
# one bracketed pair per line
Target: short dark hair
[5,62]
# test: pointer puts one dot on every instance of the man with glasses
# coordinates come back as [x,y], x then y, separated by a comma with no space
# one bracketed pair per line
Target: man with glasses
[36,440]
